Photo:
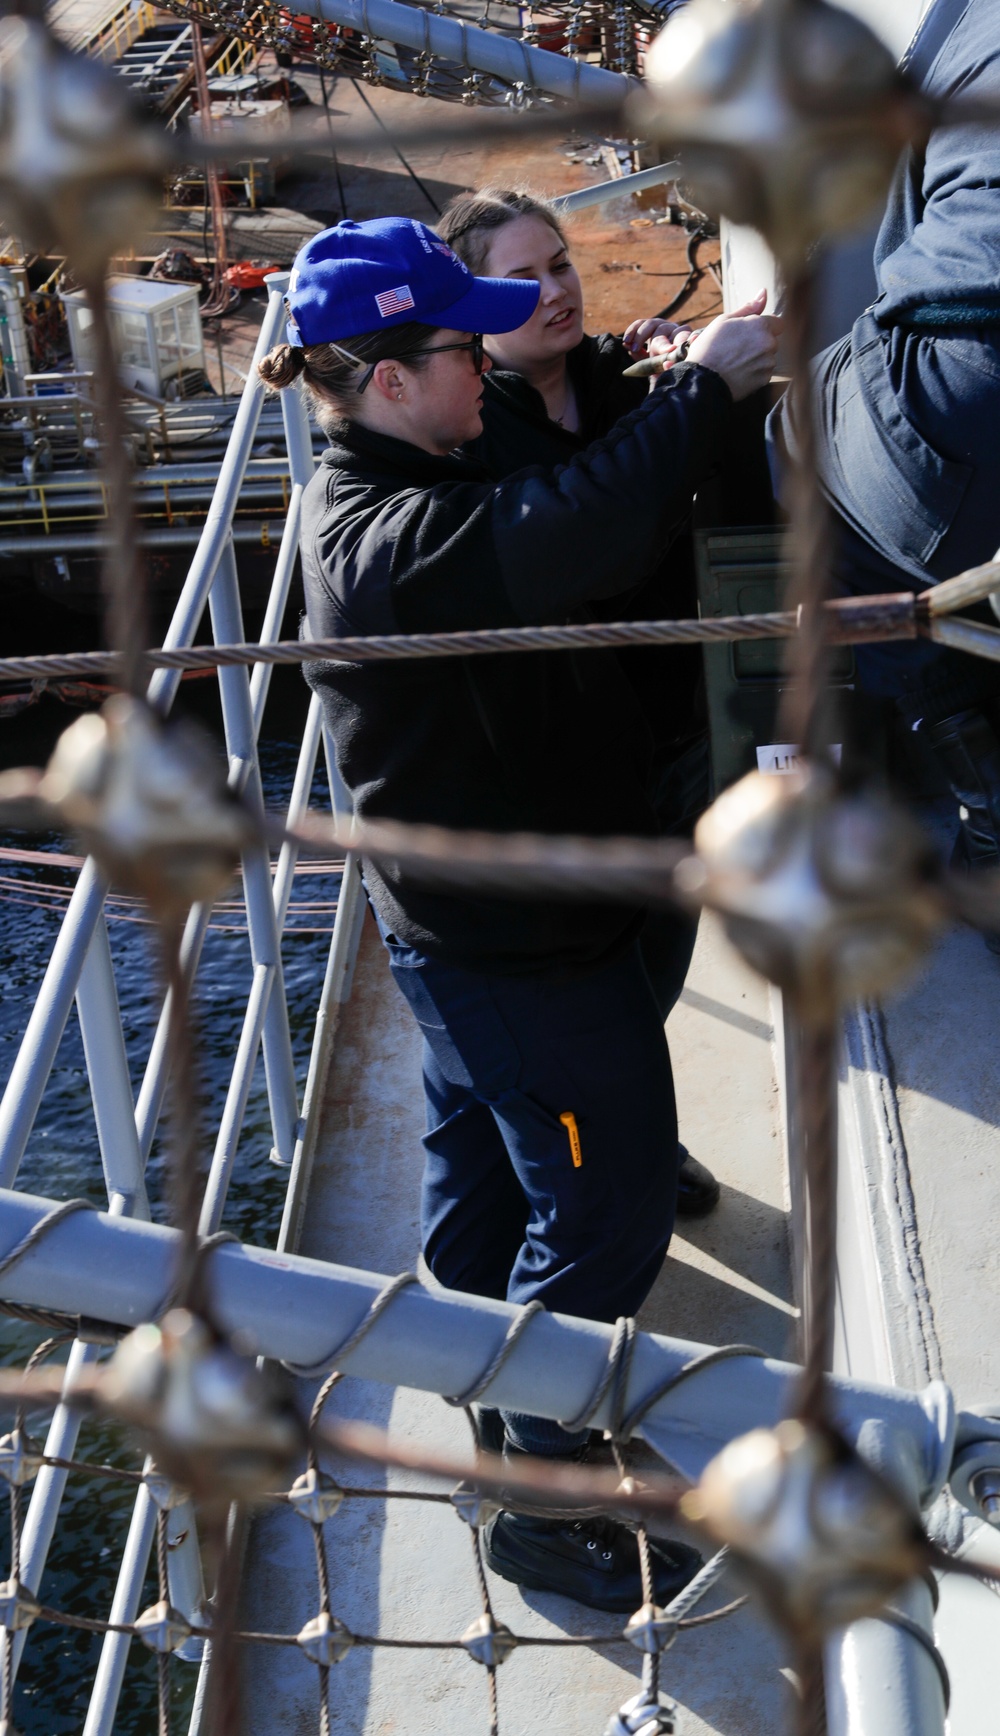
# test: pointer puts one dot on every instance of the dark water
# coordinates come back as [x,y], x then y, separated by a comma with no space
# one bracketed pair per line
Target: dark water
[63,1159]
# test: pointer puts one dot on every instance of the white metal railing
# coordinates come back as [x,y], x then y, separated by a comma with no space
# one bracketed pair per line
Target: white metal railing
[620,188]
[81,968]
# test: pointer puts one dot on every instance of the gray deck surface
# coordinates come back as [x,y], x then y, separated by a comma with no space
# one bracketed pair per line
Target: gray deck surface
[943,1034]
[404,1569]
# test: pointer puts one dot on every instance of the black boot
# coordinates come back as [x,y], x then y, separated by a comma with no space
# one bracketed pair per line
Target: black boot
[969,751]
[593,1561]
[585,1556]
[697,1189]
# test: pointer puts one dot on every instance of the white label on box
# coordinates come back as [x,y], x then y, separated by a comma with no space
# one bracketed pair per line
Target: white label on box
[783,757]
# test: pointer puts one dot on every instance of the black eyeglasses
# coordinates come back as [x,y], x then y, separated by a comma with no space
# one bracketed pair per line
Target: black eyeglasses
[475,345]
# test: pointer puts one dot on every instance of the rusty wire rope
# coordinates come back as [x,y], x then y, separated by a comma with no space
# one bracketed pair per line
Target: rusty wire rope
[805,718]
[122,572]
[850,620]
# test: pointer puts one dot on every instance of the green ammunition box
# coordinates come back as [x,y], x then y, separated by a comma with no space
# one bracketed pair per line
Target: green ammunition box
[746,572]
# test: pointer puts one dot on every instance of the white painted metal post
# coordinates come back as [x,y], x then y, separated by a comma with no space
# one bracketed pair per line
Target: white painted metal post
[103,1708]
[81,964]
[234,686]
[881,1680]
[260,680]
[297,806]
[30,1072]
[351,907]
[46,1497]
[218,521]
[230,1127]
[149,1105]
[107,1071]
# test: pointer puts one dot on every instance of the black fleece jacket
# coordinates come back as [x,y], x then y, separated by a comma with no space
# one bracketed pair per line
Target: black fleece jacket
[395,540]
[517,430]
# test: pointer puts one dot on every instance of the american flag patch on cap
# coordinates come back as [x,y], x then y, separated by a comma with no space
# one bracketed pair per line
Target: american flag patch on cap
[391,301]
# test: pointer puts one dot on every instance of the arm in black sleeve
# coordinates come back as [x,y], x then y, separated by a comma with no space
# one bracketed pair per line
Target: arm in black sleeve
[465,554]
[598,526]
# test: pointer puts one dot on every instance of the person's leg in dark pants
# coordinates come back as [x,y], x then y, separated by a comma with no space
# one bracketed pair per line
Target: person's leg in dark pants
[575,1077]
[473,1210]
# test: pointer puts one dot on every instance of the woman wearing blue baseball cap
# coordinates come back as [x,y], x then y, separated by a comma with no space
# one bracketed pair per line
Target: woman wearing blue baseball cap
[551,1150]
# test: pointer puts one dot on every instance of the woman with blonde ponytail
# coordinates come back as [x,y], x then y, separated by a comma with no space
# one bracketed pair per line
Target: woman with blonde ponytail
[554,389]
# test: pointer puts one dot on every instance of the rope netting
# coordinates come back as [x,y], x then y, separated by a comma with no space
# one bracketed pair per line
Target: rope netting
[317,1497]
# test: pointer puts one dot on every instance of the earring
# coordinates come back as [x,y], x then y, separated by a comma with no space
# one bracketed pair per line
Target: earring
[399,395]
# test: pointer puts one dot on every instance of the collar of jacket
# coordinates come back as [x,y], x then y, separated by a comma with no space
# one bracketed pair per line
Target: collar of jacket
[602,395]
[525,401]
[350,441]
[582,361]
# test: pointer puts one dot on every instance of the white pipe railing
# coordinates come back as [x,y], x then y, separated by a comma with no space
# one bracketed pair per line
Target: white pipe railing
[621,188]
[81,966]
[466,45]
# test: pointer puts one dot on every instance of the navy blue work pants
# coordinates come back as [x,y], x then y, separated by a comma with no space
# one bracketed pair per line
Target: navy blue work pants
[518,1201]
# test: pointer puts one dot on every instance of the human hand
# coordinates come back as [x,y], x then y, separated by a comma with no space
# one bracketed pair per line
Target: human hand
[653,336]
[741,346]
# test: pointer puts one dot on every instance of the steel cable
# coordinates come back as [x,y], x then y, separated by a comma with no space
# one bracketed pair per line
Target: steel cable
[804,717]
[382,1301]
[816,1073]
[851,620]
[721,1353]
[507,1347]
[906,1625]
[804,712]
[189,1289]
[162,1658]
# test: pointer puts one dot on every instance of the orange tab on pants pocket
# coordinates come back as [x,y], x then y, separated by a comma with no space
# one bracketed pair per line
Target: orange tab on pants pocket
[568,1120]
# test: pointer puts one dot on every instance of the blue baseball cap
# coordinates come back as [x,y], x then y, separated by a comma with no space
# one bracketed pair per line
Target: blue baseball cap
[359,277]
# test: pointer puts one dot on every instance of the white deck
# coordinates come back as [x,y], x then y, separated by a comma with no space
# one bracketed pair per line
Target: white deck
[404,1569]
